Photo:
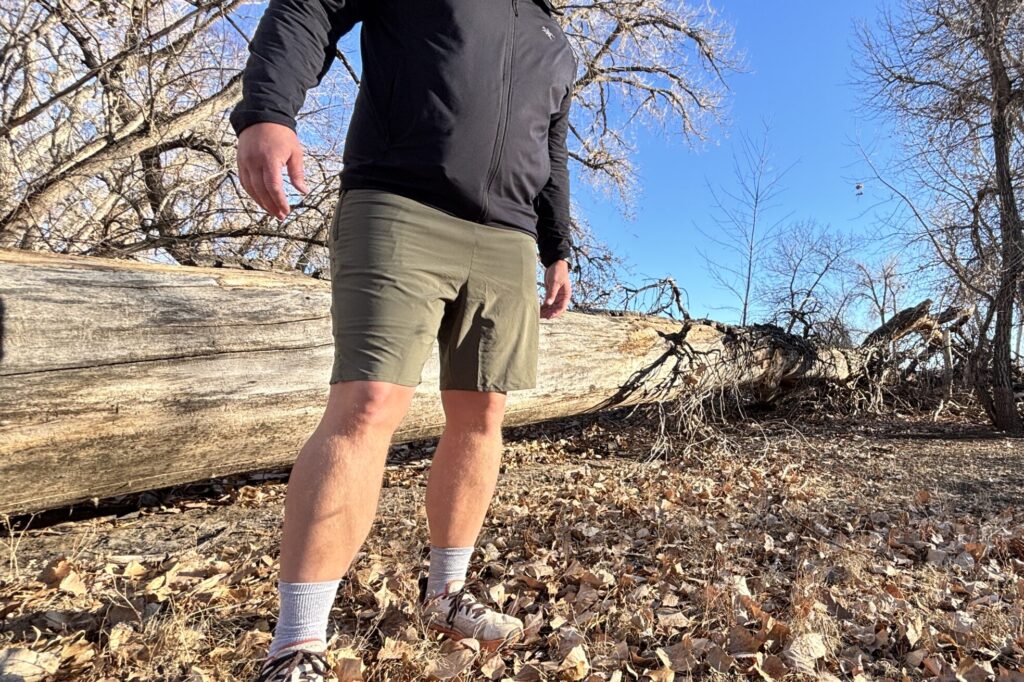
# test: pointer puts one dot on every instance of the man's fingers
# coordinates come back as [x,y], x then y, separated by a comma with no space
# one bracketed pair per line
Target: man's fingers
[246,176]
[562,299]
[253,183]
[557,299]
[260,193]
[295,172]
[243,177]
[273,187]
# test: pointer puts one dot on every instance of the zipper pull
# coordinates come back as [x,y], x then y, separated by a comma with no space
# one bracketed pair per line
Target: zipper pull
[515,7]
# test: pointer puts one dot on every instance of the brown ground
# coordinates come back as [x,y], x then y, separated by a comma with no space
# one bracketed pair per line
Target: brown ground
[856,549]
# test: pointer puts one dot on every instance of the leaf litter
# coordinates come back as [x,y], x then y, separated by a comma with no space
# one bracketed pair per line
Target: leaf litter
[843,550]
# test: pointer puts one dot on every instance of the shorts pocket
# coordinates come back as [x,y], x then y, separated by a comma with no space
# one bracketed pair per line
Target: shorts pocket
[336,217]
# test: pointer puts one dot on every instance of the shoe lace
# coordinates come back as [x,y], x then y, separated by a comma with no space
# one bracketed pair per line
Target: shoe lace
[281,667]
[466,602]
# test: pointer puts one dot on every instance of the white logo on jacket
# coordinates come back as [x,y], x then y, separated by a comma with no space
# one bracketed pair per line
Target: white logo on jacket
[547,32]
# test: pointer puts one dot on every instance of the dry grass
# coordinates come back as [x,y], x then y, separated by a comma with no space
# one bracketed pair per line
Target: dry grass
[858,550]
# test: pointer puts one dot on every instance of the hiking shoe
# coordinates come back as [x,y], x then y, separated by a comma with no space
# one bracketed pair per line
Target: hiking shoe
[298,663]
[457,614]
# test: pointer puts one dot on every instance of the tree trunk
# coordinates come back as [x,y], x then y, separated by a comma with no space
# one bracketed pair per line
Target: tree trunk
[117,376]
[1004,413]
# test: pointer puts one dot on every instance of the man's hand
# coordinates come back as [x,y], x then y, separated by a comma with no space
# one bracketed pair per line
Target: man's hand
[263,148]
[558,288]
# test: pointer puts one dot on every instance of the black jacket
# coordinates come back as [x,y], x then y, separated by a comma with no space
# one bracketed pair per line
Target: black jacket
[462,104]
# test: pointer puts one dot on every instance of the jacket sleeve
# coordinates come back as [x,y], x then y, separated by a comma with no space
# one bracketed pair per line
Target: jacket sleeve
[553,223]
[291,51]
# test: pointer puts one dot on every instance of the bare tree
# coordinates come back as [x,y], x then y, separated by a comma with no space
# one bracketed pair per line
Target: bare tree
[744,226]
[881,286]
[950,74]
[806,287]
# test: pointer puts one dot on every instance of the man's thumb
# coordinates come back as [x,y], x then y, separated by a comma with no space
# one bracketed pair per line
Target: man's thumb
[295,172]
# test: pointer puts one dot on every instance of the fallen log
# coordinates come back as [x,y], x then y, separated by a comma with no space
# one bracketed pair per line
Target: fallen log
[119,376]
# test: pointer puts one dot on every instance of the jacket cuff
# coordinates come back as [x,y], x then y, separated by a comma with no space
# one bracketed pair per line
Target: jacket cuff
[243,118]
[553,253]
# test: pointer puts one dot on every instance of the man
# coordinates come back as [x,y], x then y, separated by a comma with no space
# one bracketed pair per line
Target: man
[454,174]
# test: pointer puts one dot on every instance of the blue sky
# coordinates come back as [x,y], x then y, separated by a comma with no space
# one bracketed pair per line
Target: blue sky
[799,68]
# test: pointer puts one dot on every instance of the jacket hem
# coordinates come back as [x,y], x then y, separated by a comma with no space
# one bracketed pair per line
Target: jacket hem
[428,197]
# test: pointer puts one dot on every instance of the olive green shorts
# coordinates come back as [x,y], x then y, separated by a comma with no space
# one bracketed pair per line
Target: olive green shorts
[404,274]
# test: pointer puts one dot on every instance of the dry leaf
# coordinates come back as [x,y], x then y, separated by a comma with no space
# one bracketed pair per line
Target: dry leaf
[937,667]
[679,656]
[77,655]
[72,584]
[394,649]
[383,596]
[586,597]
[1006,675]
[532,624]
[121,613]
[914,658]
[962,623]
[493,668]
[670,619]
[661,675]
[575,665]
[197,674]
[970,671]
[133,569]
[742,643]
[804,651]
[600,578]
[719,659]
[349,669]
[914,629]
[155,584]
[771,667]
[649,586]
[497,594]
[25,665]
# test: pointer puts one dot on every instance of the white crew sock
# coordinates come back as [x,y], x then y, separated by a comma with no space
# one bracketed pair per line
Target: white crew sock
[303,614]
[447,564]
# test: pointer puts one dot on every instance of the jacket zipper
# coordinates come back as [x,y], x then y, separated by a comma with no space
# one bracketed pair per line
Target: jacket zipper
[499,142]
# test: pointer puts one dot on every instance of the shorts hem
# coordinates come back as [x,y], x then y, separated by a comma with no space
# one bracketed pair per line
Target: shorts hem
[372,376]
[498,388]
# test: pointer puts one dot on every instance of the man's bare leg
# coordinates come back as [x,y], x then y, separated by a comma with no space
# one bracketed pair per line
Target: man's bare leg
[331,501]
[462,481]
[335,483]
[465,467]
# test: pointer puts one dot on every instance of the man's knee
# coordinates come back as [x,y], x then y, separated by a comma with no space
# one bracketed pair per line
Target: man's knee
[474,411]
[359,406]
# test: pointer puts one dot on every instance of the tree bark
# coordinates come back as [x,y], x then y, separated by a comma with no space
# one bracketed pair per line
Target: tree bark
[118,376]
[1003,411]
